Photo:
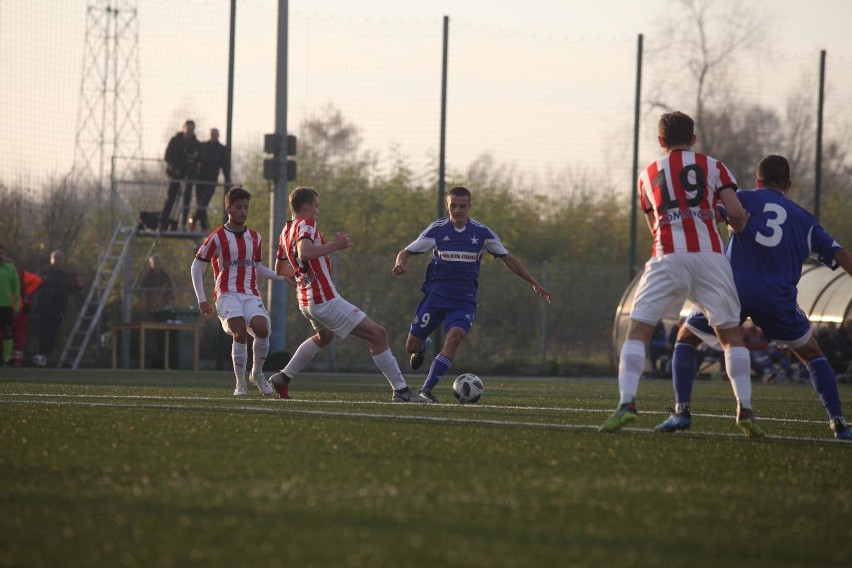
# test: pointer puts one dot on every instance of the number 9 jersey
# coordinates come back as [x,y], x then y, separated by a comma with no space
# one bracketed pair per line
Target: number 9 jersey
[680,189]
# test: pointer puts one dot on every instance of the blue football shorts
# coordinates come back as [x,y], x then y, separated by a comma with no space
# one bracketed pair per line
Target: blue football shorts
[434,309]
[785,328]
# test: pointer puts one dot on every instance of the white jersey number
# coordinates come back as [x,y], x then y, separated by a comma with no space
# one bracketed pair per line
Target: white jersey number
[774,225]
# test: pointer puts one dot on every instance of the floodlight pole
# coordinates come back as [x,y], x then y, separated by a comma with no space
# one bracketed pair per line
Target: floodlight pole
[278,205]
[442,156]
[222,344]
[631,263]
[818,159]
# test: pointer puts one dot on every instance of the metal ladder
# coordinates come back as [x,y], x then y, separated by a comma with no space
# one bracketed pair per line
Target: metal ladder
[96,300]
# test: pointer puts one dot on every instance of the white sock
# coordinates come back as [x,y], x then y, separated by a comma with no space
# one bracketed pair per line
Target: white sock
[631,363]
[259,353]
[389,367]
[239,357]
[738,366]
[303,355]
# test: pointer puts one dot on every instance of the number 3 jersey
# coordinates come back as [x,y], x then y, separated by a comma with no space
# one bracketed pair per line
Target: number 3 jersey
[453,271]
[681,189]
[767,256]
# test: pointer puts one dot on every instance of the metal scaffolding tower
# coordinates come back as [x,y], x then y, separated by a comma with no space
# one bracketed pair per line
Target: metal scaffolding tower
[109,114]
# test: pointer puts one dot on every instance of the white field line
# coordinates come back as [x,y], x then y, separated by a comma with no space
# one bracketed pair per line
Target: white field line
[272,400]
[286,407]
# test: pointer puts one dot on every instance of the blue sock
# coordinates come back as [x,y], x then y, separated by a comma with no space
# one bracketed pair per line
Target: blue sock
[439,366]
[684,369]
[825,383]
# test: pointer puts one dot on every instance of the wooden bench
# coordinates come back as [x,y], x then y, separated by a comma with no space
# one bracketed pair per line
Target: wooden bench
[144,326]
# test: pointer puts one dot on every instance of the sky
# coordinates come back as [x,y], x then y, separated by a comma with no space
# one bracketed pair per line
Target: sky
[811,25]
[41,50]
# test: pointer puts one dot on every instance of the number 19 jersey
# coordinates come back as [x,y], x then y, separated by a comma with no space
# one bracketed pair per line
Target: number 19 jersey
[681,189]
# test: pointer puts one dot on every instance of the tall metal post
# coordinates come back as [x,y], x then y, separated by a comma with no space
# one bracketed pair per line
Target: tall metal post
[818,159]
[637,108]
[442,156]
[229,119]
[222,338]
[279,209]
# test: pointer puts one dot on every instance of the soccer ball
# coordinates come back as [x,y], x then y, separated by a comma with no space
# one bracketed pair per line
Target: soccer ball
[467,388]
[39,360]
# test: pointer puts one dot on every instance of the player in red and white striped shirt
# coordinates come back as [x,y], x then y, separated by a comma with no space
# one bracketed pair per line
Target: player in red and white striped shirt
[679,194]
[302,258]
[235,252]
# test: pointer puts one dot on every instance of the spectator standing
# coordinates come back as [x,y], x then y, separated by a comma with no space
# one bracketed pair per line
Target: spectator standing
[57,284]
[10,294]
[182,155]
[30,283]
[156,288]
[214,158]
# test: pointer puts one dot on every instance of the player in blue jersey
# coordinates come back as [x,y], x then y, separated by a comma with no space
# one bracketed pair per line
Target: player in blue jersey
[452,278]
[766,259]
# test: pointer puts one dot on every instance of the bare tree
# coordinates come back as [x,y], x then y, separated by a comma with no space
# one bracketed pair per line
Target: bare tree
[705,37]
[328,141]
[64,213]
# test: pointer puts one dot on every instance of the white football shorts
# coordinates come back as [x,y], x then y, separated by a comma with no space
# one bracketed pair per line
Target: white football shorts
[236,304]
[336,315]
[705,278]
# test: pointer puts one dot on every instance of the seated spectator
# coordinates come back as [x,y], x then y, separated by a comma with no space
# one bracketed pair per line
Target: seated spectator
[829,337]
[758,347]
[843,346]
[659,350]
[156,288]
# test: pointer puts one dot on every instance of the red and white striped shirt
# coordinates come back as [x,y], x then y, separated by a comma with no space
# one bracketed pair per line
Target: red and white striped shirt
[313,277]
[681,189]
[234,256]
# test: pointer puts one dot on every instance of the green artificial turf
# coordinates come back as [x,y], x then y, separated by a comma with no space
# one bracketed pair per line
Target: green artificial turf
[128,468]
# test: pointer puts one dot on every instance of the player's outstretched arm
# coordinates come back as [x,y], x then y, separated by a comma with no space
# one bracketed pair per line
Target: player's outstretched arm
[267,273]
[516,266]
[401,260]
[844,259]
[285,269]
[197,272]
[737,215]
[308,250]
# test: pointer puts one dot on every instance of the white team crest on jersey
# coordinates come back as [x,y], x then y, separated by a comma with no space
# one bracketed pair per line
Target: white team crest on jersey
[474,240]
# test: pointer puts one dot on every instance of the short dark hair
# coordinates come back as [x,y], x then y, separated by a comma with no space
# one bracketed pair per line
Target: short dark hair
[236,193]
[676,128]
[774,171]
[460,191]
[300,196]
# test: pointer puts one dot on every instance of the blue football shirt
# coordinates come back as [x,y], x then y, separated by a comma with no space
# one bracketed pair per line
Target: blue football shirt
[457,254]
[767,256]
